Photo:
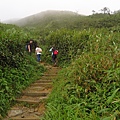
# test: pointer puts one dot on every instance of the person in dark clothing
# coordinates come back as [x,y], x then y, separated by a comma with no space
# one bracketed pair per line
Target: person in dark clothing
[30,46]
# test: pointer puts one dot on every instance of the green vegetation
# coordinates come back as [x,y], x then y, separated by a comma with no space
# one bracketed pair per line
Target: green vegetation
[88,86]
[17,69]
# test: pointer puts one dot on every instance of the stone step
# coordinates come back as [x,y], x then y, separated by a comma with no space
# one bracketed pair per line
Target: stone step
[34,88]
[36,93]
[50,75]
[47,78]
[43,81]
[46,85]
[31,100]
[28,118]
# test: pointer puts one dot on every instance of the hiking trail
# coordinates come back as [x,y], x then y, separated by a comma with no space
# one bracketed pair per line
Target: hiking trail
[31,104]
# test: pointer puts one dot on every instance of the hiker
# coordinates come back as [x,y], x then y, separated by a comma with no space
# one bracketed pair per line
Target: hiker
[38,52]
[29,46]
[54,55]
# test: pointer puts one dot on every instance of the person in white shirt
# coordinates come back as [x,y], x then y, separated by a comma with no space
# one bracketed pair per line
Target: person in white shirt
[38,52]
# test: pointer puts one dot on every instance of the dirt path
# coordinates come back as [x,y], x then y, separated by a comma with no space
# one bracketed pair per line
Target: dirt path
[31,104]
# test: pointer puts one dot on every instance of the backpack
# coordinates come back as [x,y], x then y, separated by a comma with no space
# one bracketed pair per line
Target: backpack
[55,52]
[26,47]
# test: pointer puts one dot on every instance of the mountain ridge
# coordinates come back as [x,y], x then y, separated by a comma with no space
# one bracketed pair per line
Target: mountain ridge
[44,15]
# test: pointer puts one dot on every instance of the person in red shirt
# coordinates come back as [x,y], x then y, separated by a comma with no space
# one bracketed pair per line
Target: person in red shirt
[54,55]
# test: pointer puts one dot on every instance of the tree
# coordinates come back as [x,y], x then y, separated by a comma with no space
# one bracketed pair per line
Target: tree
[93,11]
[105,10]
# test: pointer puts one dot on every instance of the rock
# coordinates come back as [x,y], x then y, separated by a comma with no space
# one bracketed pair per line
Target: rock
[13,113]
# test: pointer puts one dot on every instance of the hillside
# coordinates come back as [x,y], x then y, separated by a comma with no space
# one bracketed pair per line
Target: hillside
[46,17]
[52,20]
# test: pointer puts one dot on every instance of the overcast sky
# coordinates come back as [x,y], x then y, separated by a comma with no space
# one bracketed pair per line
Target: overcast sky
[10,9]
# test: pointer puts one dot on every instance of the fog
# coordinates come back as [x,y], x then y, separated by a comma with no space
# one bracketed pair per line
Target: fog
[16,9]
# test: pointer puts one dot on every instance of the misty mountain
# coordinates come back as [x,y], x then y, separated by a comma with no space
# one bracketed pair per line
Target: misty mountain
[46,17]
[11,21]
